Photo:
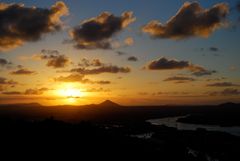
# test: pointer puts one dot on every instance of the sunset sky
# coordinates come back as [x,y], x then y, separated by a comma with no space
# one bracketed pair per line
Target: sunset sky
[131,52]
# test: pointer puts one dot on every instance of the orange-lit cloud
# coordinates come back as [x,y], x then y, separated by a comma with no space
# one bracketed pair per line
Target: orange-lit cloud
[171,64]
[96,32]
[29,91]
[103,69]
[129,41]
[20,24]
[180,79]
[191,20]
[23,71]
[222,84]
[226,92]
[54,59]
[80,79]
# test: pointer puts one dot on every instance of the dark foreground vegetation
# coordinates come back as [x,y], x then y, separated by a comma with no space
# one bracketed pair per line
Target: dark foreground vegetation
[227,114]
[60,139]
[109,132]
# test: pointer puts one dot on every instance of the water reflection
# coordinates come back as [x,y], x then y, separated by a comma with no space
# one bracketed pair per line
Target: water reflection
[172,122]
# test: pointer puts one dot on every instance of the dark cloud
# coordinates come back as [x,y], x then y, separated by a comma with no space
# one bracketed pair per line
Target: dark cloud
[143,93]
[225,92]
[80,79]
[98,90]
[88,63]
[96,32]
[12,93]
[5,81]
[214,49]
[4,63]
[103,69]
[171,93]
[238,6]
[23,72]
[57,61]
[102,82]
[50,52]
[180,79]
[35,91]
[119,53]
[20,24]
[222,84]
[132,58]
[200,71]
[27,92]
[191,20]
[166,64]
[230,92]
[54,59]
[215,79]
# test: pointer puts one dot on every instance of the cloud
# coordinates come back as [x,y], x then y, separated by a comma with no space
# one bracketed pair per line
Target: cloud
[80,79]
[215,79]
[12,93]
[20,24]
[98,90]
[70,78]
[165,64]
[54,59]
[180,79]
[238,6]
[191,20]
[35,91]
[23,72]
[143,93]
[222,84]
[173,93]
[225,92]
[30,91]
[4,63]
[230,92]
[119,53]
[129,41]
[102,69]
[132,58]
[173,64]
[96,32]
[214,49]
[5,81]
[102,82]
[200,71]
[87,63]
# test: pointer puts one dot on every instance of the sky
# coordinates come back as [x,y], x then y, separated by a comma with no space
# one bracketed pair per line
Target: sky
[131,52]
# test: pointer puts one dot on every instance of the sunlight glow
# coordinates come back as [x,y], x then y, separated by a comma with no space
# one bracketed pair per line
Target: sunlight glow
[70,92]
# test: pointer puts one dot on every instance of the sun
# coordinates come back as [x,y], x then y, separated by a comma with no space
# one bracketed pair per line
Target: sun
[73,92]
[70,92]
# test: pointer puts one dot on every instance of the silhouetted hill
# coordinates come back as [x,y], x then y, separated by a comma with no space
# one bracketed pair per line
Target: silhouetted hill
[109,111]
[109,103]
[230,104]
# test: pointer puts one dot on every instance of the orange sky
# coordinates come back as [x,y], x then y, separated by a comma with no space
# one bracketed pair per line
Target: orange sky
[76,55]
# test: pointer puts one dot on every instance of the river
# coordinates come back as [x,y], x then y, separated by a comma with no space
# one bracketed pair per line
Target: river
[172,122]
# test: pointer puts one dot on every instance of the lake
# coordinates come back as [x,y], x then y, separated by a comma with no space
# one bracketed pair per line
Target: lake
[172,122]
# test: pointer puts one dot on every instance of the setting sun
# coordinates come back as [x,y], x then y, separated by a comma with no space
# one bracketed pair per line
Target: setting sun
[70,92]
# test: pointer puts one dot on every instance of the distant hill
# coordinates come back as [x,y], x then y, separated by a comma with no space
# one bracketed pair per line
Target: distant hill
[109,103]
[224,114]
